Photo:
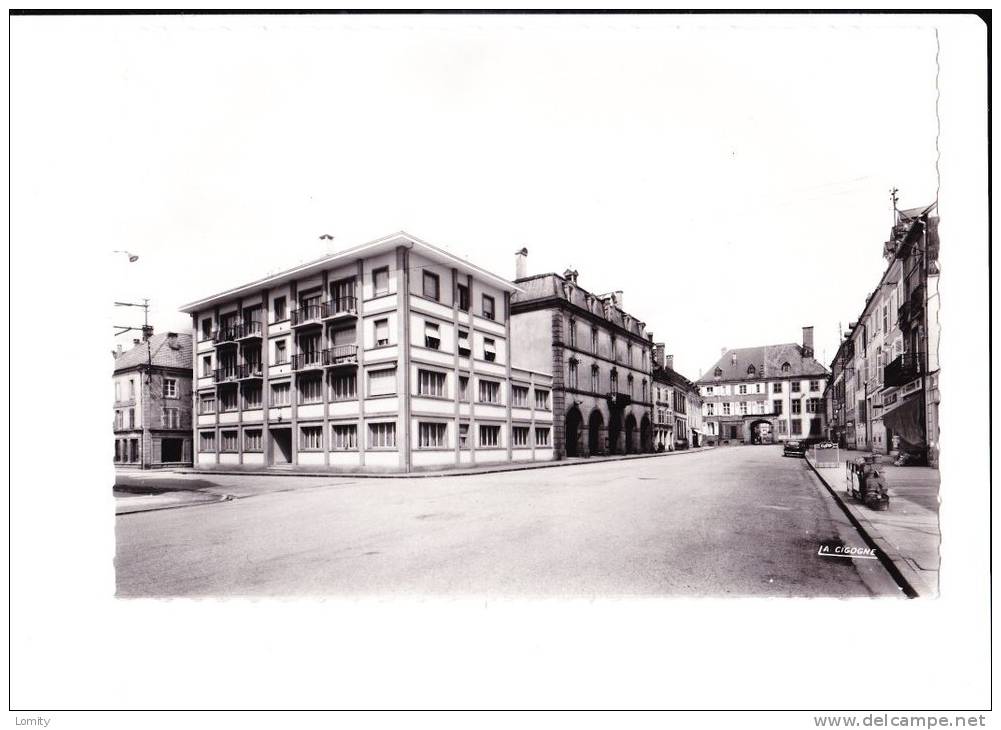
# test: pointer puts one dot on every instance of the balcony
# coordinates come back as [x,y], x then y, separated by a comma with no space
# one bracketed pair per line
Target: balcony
[618,400]
[249,331]
[340,355]
[308,360]
[226,374]
[225,335]
[310,314]
[250,371]
[902,370]
[340,307]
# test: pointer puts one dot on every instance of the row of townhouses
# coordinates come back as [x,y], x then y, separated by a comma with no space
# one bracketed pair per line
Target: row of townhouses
[882,394]
[396,356]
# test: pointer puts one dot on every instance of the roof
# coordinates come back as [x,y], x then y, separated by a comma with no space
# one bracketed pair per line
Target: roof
[672,377]
[549,286]
[160,352]
[372,248]
[767,361]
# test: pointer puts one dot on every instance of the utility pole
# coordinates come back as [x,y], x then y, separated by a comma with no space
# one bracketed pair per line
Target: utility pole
[146,331]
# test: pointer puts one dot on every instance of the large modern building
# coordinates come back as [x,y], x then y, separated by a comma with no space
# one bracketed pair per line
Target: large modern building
[600,359]
[392,356]
[152,384]
[764,394]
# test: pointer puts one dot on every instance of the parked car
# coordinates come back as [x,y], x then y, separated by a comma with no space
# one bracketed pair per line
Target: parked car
[794,448]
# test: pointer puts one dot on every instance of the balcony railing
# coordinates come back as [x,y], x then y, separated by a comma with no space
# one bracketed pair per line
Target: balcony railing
[225,334]
[307,360]
[339,306]
[226,374]
[308,314]
[902,370]
[250,370]
[249,330]
[340,355]
[619,400]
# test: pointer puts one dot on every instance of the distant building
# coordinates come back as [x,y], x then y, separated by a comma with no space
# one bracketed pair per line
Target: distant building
[764,394]
[392,356]
[152,384]
[600,359]
[677,406]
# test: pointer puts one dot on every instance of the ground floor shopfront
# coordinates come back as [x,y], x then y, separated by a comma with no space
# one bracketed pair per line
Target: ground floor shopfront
[153,449]
[602,426]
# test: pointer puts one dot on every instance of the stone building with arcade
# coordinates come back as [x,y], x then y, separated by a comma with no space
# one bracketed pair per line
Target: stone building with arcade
[599,355]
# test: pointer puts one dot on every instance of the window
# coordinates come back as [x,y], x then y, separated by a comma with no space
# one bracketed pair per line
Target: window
[489,312]
[796,407]
[782,427]
[170,417]
[489,391]
[207,333]
[464,342]
[710,409]
[743,408]
[785,367]
[382,435]
[310,389]
[432,336]
[709,390]
[594,340]
[595,378]
[118,391]
[886,319]
[794,386]
[382,382]
[431,285]
[519,436]
[629,354]
[431,382]
[489,435]
[757,387]
[281,352]
[281,313]
[252,440]
[751,370]
[777,407]
[776,387]
[132,389]
[206,403]
[613,350]
[643,391]
[169,388]
[629,384]
[280,394]
[797,427]
[311,438]
[252,395]
[343,386]
[343,437]
[572,374]
[463,297]
[542,399]
[380,281]
[813,405]
[489,353]
[542,437]
[206,441]
[431,435]
[207,366]
[381,332]
[742,389]
[613,382]
[463,434]
[572,332]
[726,409]
[519,396]
[132,417]
[814,385]
[230,441]
[463,388]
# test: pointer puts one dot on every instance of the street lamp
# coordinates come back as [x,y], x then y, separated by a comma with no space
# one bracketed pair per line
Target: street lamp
[132,257]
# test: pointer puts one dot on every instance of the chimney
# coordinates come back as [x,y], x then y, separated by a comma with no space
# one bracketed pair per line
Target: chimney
[669,361]
[147,331]
[570,275]
[117,353]
[808,342]
[521,264]
[658,355]
[136,342]
[618,299]
[722,351]
[733,358]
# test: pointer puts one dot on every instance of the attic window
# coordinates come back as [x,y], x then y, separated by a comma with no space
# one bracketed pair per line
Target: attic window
[751,370]
[719,373]
[786,367]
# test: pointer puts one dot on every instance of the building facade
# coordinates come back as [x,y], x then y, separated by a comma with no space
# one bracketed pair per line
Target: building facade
[765,394]
[152,420]
[393,356]
[677,406]
[599,357]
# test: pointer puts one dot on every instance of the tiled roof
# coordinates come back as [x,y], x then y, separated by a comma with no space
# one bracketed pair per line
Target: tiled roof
[669,375]
[163,355]
[767,361]
[543,286]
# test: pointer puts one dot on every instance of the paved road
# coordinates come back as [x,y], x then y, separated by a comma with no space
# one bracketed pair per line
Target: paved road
[727,522]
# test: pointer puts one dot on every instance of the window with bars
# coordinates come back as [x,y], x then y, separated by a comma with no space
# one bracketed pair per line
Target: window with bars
[206,441]
[310,389]
[542,399]
[280,394]
[253,440]
[542,436]
[431,383]
[311,438]
[382,435]
[489,391]
[463,388]
[431,435]
[343,386]
[519,435]
[229,441]
[344,437]
[489,435]
[519,396]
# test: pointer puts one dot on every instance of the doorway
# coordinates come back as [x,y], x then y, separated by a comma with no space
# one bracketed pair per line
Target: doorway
[574,421]
[281,446]
[170,450]
[595,426]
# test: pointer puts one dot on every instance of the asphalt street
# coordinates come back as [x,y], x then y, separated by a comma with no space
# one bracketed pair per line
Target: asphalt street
[737,521]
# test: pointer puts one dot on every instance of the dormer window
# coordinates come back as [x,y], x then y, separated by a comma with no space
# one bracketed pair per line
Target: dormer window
[786,367]
[719,372]
[750,370]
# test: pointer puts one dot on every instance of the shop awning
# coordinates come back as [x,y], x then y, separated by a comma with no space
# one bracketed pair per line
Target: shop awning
[905,422]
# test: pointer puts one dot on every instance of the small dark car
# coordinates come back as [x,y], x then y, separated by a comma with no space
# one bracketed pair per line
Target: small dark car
[794,448]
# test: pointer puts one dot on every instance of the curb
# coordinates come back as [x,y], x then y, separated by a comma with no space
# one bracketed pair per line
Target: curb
[437,474]
[887,555]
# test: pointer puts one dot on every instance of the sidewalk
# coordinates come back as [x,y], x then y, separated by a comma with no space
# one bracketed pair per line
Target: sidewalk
[907,534]
[131,503]
[485,469]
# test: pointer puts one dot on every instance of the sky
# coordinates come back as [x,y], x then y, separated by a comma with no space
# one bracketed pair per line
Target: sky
[730,175]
